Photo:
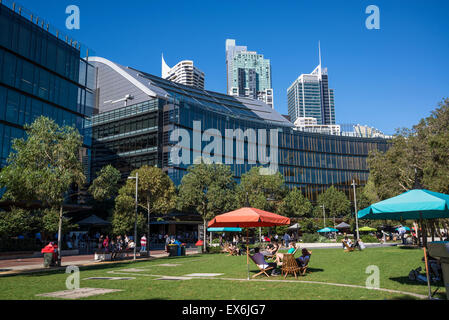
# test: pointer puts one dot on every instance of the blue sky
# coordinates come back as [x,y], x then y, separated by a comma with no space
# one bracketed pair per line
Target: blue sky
[387,78]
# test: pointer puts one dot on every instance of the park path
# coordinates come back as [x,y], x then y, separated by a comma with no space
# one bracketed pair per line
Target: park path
[13,266]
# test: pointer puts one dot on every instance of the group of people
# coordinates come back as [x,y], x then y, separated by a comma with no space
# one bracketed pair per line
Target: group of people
[358,244]
[116,246]
[272,251]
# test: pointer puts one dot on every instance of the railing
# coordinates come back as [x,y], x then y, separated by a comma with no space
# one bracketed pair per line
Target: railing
[22,11]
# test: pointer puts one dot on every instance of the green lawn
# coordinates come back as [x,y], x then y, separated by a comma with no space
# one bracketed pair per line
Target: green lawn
[327,265]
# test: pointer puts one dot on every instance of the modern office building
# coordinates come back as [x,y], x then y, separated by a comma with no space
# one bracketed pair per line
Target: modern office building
[248,74]
[41,73]
[148,131]
[310,124]
[310,96]
[184,72]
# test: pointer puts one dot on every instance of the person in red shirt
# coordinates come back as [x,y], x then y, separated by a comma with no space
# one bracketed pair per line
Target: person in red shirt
[143,243]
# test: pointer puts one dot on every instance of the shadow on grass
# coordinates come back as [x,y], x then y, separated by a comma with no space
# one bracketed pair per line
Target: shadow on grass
[404,297]
[309,271]
[406,280]
[437,288]
[409,247]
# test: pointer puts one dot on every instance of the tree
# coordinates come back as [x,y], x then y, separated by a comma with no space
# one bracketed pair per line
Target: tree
[207,188]
[417,158]
[295,204]
[261,191]
[335,202]
[44,166]
[15,222]
[156,194]
[105,185]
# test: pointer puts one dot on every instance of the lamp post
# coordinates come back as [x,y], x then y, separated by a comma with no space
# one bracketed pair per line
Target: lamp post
[135,223]
[353,184]
[324,215]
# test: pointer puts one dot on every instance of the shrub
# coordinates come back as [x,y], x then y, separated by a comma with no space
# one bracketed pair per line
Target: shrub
[368,238]
[213,249]
[310,237]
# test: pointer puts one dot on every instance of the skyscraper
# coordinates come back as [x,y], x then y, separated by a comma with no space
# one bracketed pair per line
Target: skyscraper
[183,72]
[248,73]
[310,96]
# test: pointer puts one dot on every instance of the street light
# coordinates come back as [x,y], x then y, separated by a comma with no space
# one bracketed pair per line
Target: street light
[324,215]
[135,223]
[353,184]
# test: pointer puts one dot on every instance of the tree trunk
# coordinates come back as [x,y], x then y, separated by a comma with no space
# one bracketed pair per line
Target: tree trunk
[419,232]
[60,235]
[148,228]
[432,230]
[204,234]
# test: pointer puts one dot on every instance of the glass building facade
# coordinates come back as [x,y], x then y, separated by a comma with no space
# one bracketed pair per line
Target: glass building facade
[40,74]
[148,132]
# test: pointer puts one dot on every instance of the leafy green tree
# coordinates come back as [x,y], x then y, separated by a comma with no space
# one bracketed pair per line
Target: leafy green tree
[207,188]
[417,158]
[295,204]
[335,202]
[156,194]
[262,191]
[15,222]
[308,225]
[44,166]
[106,184]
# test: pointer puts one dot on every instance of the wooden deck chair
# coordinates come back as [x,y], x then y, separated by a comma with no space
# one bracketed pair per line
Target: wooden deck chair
[289,265]
[303,269]
[347,248]
[262,270]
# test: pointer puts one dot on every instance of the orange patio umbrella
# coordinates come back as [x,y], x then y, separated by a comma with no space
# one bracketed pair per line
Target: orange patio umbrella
[248,218]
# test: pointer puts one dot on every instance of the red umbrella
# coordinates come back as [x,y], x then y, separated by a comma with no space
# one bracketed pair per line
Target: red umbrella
[248,218]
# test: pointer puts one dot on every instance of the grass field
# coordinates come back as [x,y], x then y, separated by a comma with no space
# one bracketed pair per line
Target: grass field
[328,267]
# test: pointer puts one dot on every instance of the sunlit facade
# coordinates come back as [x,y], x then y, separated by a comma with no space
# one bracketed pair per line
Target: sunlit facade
[141,133]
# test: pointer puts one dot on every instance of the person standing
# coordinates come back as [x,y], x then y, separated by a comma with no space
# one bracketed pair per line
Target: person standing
[286,239]
[401,231]
[143,243]
[167,242]
[106,243]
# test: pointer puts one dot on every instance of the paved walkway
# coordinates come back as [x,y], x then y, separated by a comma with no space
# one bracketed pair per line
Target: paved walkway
[14,266]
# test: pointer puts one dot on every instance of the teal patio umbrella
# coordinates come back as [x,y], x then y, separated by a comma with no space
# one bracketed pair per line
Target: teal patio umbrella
[229,229]
[417,204]
[224,229]
[412,205]
[327,229]
[406,228]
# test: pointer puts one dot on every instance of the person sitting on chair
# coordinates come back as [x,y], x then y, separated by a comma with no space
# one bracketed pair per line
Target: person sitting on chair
[260,260]
[348,242]
[303,260]
[280,256]
[434,267]
[269,250]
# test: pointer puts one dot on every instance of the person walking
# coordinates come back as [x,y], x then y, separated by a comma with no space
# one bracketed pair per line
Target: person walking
[143,244]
